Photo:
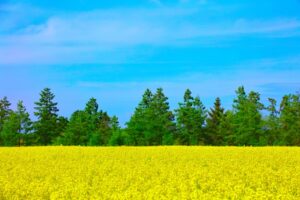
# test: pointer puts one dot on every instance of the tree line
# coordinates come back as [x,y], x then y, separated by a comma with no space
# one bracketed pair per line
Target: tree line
[248,122]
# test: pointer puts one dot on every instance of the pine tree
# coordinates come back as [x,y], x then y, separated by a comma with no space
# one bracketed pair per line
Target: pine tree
[161,119]
[247,118]
[118,136]
[104,130]
[227,128]
[213,123]
[272,131]
[4,111]
[46,112]
[190,117]
[78,129]
[289,120]
[16,127]
[138,126]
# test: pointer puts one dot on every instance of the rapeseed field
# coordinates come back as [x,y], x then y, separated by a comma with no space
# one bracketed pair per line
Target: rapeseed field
[150,173]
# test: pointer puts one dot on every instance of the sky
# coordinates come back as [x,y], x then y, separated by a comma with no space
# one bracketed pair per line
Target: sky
[114,50]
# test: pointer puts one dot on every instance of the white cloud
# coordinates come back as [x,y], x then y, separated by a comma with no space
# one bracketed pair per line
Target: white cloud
[89,35]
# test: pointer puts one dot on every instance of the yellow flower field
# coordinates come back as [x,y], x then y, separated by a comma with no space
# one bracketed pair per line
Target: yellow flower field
[150,173]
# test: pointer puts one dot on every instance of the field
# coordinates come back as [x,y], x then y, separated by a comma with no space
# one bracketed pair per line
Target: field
[150,173]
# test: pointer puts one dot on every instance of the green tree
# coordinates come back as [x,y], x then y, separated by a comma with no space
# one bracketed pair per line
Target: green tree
[118,137]
[46,112]
[213,130]
[88,127]
[272,127]
[290,120]
[227,128]
[103,132]
[152,123]
[247,121]
[78,129]
[161,120]
[16,127]
[190,117]
[139,124]
[4,110]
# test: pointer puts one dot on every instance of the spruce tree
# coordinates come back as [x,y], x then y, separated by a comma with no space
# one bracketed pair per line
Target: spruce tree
[118,136]
[139,124]
[161,119]
[227,128]
[104,130]
[78,129]
[190,118]
[247,121]
[4,110]
[46,112]
[272,126]
[290,119]
[16,127]
[213,123]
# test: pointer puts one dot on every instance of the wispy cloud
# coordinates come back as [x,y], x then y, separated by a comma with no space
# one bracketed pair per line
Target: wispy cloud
[86,35]
[255,75]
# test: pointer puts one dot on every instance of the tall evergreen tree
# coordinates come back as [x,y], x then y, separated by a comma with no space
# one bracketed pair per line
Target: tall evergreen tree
[16,127]
[190,117]
[78,129]
[247,118]
[161,119]
[138,125]
[46,112]
[102,133]
[118,136]
[290,119]
[272,127]
[4,110]
[227,128]
[213,123]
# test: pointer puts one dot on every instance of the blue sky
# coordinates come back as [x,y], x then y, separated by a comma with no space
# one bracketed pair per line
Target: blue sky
[114,50]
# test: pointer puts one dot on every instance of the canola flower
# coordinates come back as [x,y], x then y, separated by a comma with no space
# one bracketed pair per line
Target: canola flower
[150,173]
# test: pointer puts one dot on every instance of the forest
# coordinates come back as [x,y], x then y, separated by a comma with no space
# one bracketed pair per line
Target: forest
[248,123]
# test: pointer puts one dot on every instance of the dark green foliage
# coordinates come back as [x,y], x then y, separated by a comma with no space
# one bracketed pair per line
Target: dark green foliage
[46,112]
[247,119]
[153,123]
[78,129]
[272,126]
[190,117]
[214,135]
[102,132]
[227,128]
[119,136]
[290,120]
[16,127]
[4,111]
[162,120]
[88,127]
[138,128]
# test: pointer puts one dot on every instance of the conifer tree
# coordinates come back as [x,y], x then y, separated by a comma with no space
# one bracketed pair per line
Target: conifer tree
[272,130]
[118,136]
[46,112]
[4,110]
[161,119]
[190,117]
[289,119]
[138,126]
[16,127]
[247,118]
[78,129]
[104,130]
[213,123]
